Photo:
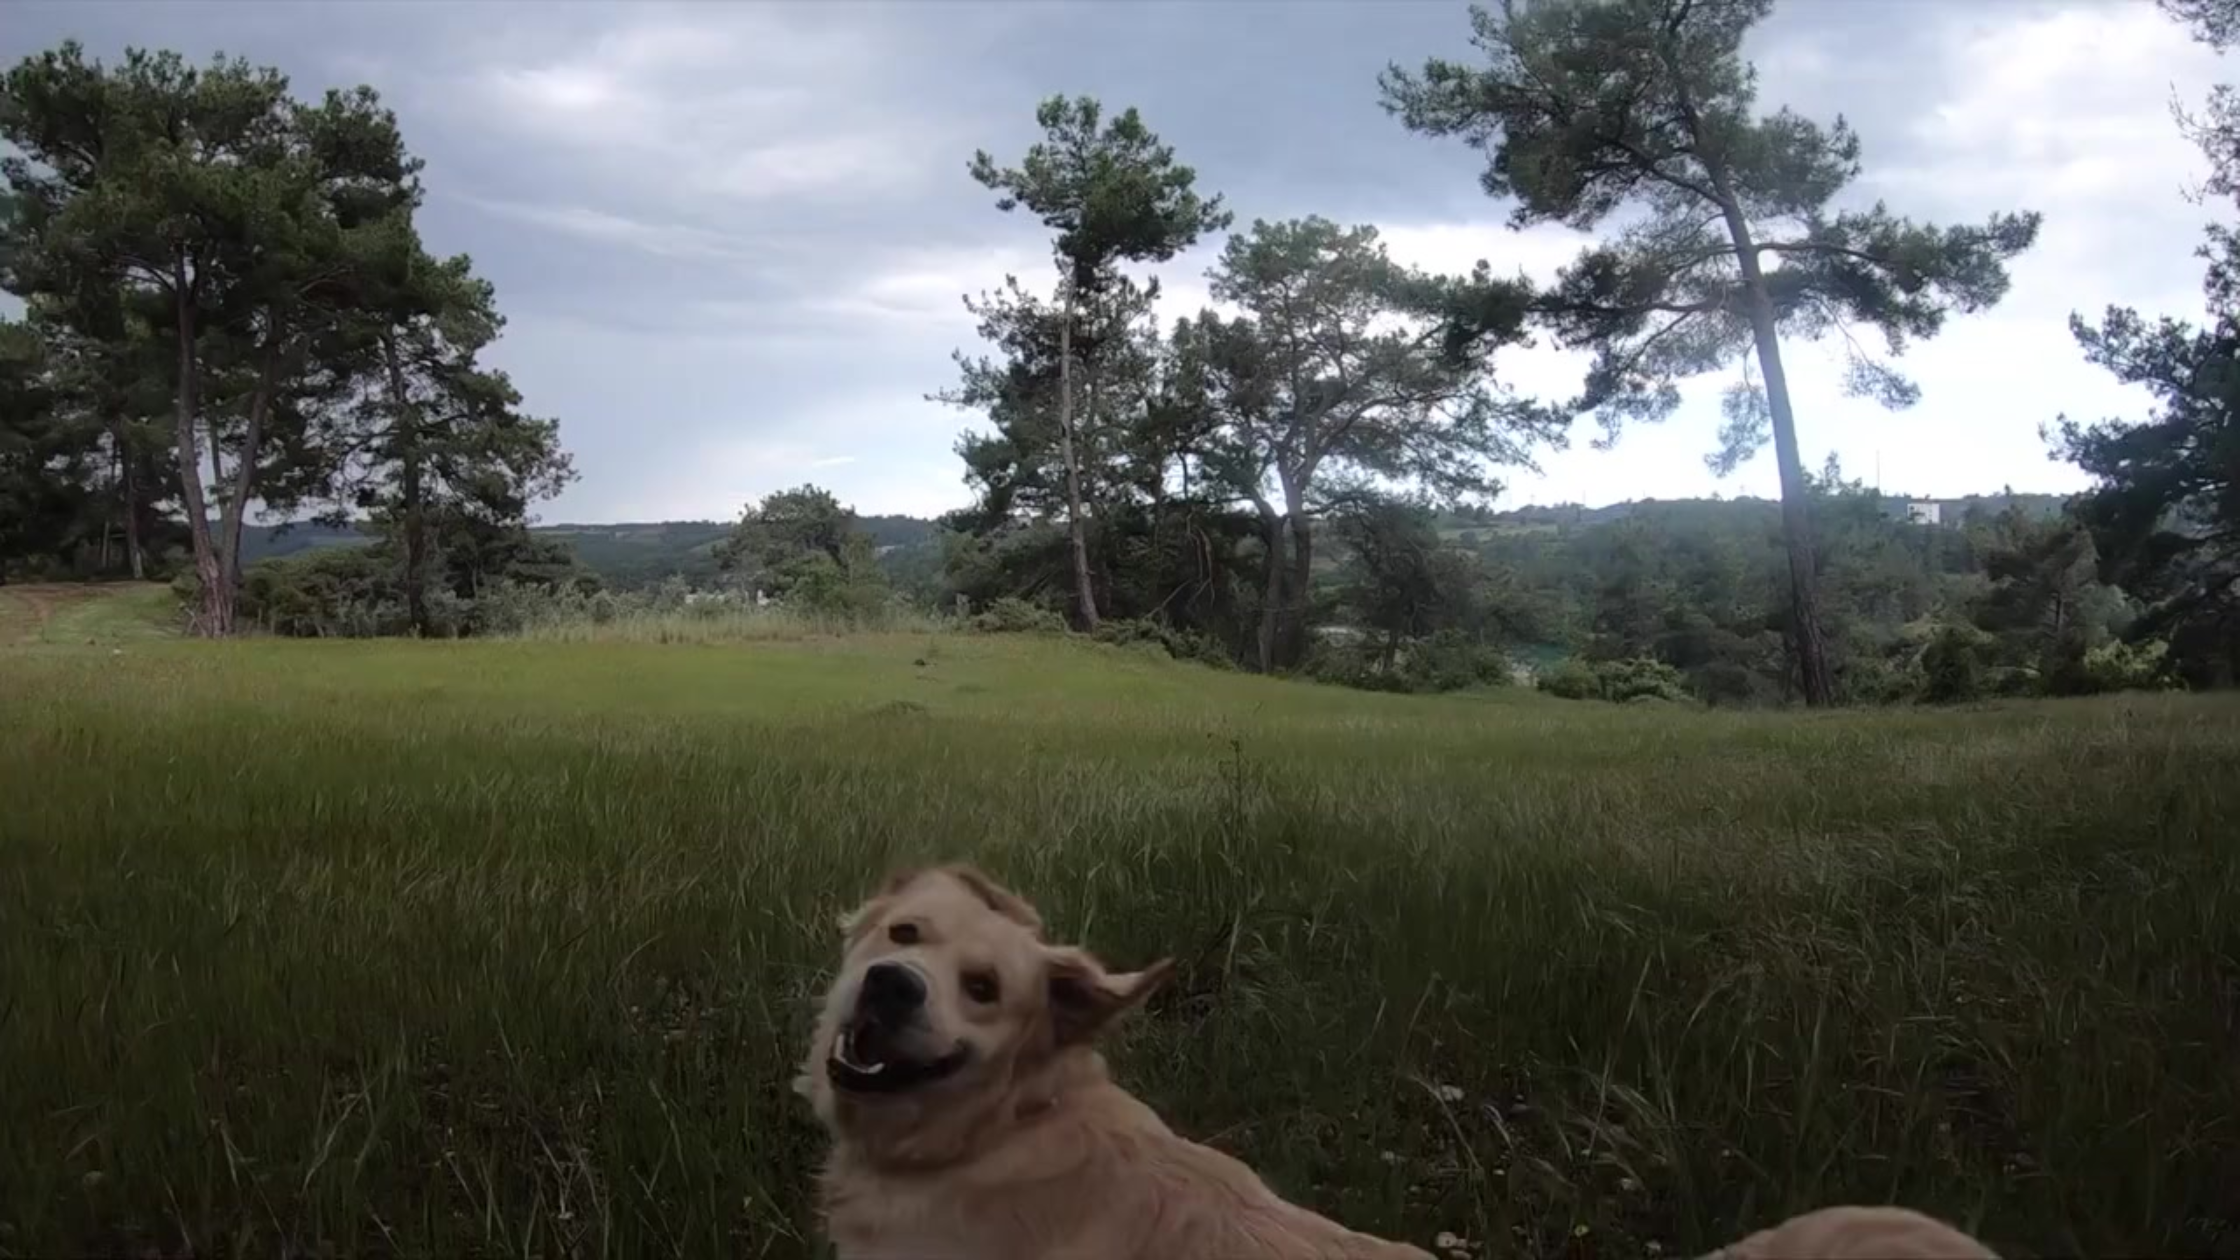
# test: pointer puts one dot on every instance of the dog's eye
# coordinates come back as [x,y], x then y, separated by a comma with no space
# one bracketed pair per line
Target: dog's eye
[903,933]
[981,986]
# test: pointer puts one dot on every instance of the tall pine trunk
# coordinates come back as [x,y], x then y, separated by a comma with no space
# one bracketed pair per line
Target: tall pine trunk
[129,484]
[109,523]
[1293,645]
[216,617]
[236,506]
[1297,597]
[1271,597]
[1085,595]
[406,436]
[1796,520]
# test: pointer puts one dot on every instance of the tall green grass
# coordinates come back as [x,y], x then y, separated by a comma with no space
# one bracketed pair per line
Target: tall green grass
[509,947]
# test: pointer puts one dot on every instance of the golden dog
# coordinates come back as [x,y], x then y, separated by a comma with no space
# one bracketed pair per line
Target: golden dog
[954,1064]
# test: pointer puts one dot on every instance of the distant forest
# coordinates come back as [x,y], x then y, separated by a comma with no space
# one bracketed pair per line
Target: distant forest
[626,556]
[633,555]
[1692,585]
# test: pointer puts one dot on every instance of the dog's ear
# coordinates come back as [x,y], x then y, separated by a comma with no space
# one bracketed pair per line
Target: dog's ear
[996,897]
[856,922]
[1085,998]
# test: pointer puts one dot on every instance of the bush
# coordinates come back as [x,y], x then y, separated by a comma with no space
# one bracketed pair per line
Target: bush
[1877,680]
[1641,678]
[1452,661]
[2129,667]
[1952,666]
[1733,684]
[1571,680]
[1635,678]
[331,592]
[1011,615]
[821,586]
[1351,662]
[357,592]
[1182,645]
[1446,661]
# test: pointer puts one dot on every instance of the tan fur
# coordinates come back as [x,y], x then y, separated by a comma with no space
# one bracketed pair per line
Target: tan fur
[1857,1233]
[1032,1152]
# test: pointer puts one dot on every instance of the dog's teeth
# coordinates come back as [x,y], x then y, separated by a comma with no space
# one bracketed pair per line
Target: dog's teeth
[872,1069]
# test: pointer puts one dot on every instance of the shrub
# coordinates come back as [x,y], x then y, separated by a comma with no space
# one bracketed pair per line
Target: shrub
[1641,677]
[1446,661]
[1182,645]
[1620,681]
[1877,680]
[1571,680]
[1452,661]
[1011,615]
[821,586]
[1351,662]
[1952,666]
[2129,667]
[1733,684]
[331,592]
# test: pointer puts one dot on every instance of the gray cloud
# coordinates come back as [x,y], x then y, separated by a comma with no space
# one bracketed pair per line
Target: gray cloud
[730,240]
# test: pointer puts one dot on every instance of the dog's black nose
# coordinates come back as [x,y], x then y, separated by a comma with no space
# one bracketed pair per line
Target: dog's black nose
[892,991]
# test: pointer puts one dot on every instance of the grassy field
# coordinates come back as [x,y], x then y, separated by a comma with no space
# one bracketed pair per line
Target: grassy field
[508,948]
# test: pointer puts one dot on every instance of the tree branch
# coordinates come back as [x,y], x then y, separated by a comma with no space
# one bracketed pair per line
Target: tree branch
[1818,247]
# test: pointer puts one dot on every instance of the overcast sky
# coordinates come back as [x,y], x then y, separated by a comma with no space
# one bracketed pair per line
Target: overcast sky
[730,240]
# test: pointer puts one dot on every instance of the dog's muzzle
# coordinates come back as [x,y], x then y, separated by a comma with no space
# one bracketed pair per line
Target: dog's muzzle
[879,1050]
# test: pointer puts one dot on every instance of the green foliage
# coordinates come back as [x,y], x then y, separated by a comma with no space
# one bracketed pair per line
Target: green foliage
[1952,669]
[1399,580]
[1107,190]
[1585,108]
[1164,541]
[2165,508]
[1182,645]
[215,268]
[1111,193]
[1571,680]
[1011,615]
[341,593]
[851,587]
[362,592]
[2043,601]
[1330,369]
[2119,666]
[1349,660]
[1619,682]
[783,528]
[803,547]
[1330,377]
[1452,660]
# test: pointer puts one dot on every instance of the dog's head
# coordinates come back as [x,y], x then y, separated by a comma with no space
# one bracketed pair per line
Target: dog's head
[948,996]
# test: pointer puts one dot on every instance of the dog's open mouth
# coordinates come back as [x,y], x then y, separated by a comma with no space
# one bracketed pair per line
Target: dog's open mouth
[867,1060]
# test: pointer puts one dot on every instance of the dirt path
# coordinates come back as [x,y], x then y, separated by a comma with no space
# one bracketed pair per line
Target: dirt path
[26,610]
[23,613]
